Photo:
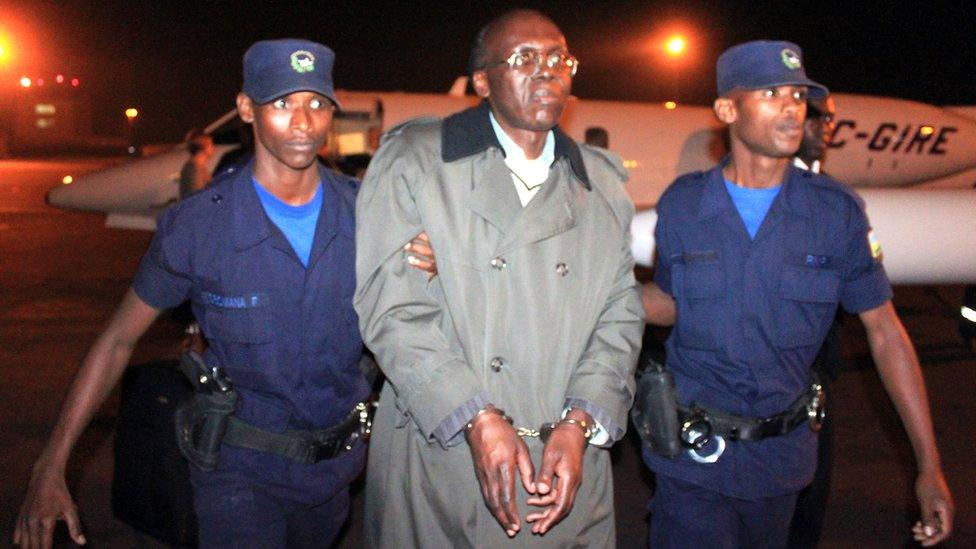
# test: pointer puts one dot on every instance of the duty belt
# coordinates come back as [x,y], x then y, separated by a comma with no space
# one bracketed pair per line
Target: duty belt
[207,420]
[303,446]
[699,423]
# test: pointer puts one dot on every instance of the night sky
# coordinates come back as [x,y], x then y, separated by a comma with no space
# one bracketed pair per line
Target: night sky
[180,64]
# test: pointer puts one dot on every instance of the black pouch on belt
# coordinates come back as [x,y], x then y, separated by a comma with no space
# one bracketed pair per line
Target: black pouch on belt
[202,421]
[655,412]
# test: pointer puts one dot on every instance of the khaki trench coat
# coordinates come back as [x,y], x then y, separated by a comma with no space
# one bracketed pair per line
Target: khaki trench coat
[531,306]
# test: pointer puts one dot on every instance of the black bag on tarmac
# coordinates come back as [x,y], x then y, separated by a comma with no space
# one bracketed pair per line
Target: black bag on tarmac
[151,484]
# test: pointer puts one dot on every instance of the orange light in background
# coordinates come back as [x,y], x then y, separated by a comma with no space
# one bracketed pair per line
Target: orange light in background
[5,49]
[40,81]
[67,180]
[670,105]
[131,113]
[676,45]
[25,82]
[59,79]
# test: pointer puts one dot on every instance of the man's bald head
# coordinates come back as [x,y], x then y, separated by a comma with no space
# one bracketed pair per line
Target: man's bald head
[489,34]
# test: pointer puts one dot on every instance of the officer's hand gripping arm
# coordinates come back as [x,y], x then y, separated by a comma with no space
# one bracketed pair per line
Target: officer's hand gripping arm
[47,500]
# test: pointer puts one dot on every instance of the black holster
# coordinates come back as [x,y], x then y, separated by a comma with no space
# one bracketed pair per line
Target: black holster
[655,412]
[201,422]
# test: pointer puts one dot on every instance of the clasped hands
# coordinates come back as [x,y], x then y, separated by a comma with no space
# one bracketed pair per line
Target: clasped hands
[500,455]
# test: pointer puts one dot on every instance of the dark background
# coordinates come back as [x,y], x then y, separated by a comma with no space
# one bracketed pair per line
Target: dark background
[180,62]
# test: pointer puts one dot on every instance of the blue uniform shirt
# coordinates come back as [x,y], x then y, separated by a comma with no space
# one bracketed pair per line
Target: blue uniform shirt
[287,335]
[752,314]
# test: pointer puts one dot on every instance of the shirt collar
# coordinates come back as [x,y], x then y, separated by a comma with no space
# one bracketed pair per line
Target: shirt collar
[514,151]
[469,132]
[715,199]
[246,208]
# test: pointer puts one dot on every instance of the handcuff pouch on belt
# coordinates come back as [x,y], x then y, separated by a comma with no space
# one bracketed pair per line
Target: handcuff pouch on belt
[667,427]
[206,421]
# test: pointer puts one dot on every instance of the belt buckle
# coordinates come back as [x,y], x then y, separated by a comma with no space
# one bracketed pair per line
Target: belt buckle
[816,409]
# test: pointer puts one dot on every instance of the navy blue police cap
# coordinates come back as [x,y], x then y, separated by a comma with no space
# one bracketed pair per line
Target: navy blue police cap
[764,64]
[276,68]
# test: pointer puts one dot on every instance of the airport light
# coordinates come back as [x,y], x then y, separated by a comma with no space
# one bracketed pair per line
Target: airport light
[67,180]
[25,82]
[676,45]
[59,79]
[131,114]
[75,82]
[670,105]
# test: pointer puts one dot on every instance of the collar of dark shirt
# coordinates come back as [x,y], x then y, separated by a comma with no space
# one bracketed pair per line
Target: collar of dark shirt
[336,215]
[715,198]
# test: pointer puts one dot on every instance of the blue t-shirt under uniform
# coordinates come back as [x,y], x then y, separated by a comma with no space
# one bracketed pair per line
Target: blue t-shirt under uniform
[752,204]
[297,223]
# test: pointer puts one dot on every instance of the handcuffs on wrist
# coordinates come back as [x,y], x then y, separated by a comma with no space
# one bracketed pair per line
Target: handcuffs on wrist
[542,433]
[486,410]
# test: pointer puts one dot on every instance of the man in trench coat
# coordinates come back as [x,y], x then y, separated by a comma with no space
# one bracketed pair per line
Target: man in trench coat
[531,326]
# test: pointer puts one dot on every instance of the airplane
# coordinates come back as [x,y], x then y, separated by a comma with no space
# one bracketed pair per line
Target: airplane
[914,164]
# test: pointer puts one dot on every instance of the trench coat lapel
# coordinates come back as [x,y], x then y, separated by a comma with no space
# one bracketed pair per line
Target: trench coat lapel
[494,197]
[552,211]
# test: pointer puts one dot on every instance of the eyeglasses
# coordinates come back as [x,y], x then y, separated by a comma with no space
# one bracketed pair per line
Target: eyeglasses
[529,62]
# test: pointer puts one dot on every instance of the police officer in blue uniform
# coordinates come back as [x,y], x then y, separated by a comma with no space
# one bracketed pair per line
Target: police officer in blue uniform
[754,256]
[266,255]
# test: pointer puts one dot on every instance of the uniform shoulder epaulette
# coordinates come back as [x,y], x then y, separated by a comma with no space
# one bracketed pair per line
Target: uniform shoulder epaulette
[610,159]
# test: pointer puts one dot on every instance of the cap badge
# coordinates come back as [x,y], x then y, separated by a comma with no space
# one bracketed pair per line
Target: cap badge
[303,61]
[791,59]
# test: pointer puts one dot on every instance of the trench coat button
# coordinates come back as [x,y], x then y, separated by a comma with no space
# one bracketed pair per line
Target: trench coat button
[498,263]
[562,269]
[496,364]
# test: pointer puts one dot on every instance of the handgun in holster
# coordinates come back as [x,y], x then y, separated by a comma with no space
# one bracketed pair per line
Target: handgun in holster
[655,412]
[202,421]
